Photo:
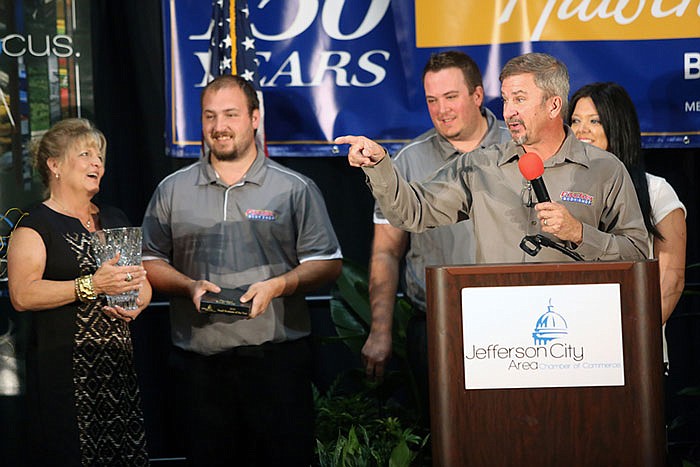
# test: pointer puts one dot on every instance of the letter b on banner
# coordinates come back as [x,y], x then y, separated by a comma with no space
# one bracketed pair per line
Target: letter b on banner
[691,65]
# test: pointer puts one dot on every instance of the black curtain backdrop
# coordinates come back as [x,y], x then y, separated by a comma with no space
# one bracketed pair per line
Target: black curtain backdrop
[129,108]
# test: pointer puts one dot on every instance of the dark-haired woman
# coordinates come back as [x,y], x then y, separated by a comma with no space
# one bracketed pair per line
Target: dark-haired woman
[603,115]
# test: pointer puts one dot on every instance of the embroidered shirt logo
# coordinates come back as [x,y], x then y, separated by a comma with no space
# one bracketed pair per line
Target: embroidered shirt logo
[575,197]
[260,215]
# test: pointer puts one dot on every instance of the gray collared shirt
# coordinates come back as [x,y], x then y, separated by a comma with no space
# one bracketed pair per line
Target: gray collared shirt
[488,187]
[261,227]
[449,244]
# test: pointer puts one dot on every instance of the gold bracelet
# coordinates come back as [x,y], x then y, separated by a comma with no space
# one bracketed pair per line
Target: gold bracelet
[84,289]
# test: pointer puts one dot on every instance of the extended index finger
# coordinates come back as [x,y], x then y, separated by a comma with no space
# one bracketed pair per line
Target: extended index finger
[348,139]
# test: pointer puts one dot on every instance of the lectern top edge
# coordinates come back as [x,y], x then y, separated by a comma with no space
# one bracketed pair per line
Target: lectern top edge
[516,268]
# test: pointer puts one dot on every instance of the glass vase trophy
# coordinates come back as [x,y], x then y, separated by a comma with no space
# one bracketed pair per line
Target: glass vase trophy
[126,241]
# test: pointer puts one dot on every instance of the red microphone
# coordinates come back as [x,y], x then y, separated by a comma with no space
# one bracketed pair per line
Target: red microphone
[532,168]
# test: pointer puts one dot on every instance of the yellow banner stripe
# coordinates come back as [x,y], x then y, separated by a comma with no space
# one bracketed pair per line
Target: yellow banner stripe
[446,23]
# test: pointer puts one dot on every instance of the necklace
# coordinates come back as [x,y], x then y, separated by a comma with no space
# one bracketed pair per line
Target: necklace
[87,224]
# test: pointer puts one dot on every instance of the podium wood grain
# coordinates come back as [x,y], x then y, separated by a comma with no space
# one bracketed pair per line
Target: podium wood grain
[574,426]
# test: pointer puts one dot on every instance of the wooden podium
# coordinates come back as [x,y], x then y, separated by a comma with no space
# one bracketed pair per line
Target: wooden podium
[553,426]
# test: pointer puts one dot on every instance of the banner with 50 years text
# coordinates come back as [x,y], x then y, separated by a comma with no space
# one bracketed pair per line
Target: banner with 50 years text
[334,67]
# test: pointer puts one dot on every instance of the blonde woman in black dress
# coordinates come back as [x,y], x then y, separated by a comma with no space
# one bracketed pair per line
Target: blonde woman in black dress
[82,393]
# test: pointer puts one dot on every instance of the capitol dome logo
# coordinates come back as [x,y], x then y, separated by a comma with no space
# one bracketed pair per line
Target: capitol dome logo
[550,326]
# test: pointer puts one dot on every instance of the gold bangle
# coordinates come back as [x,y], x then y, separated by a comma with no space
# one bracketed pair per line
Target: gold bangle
[84,289]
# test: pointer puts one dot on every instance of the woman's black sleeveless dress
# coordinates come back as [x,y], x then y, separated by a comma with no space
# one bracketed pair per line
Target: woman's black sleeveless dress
[84,406]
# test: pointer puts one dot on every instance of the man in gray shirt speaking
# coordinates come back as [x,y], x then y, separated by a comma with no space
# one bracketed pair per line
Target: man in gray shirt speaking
[454,96]
[594,209]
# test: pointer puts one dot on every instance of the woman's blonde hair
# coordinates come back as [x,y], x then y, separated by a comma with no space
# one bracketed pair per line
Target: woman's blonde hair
[62,136]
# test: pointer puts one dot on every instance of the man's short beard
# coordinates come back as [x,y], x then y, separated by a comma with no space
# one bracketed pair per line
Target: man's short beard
[520,140]
[225,156]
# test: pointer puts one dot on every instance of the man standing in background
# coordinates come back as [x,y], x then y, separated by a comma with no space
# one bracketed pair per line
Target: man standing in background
[454,95]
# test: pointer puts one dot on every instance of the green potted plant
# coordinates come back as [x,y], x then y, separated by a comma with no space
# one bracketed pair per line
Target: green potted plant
[364,423]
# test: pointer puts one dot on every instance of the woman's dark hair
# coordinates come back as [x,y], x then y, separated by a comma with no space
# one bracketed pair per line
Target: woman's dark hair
[621,125]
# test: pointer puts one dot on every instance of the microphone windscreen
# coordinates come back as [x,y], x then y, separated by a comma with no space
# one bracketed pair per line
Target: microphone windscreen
[531,166]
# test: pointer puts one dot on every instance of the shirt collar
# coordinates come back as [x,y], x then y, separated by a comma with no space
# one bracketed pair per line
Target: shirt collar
[255,174]
[491,137]
[510,152]
[447,150]
[571,150]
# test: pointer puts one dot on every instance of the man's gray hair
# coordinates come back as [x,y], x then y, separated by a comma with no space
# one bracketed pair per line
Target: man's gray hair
[550,74]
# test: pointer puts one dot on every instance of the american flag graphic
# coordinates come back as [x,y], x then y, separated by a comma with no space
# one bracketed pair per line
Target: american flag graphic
[232,50]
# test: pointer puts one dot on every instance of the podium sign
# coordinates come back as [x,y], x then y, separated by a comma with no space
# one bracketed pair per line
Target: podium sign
[542,336]
[504,385]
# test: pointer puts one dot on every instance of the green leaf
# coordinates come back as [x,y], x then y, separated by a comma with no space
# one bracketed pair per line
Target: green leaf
[678,422]
[349,305]
[352,314]
[349,329]
[690,391]
[401,456]
[403,312]
[345,320]
[354,289]
[339,448]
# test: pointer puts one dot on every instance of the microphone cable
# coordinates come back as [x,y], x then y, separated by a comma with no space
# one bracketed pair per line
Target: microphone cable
[532,244]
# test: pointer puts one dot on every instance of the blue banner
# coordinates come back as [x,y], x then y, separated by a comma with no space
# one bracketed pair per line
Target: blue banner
[337,67]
